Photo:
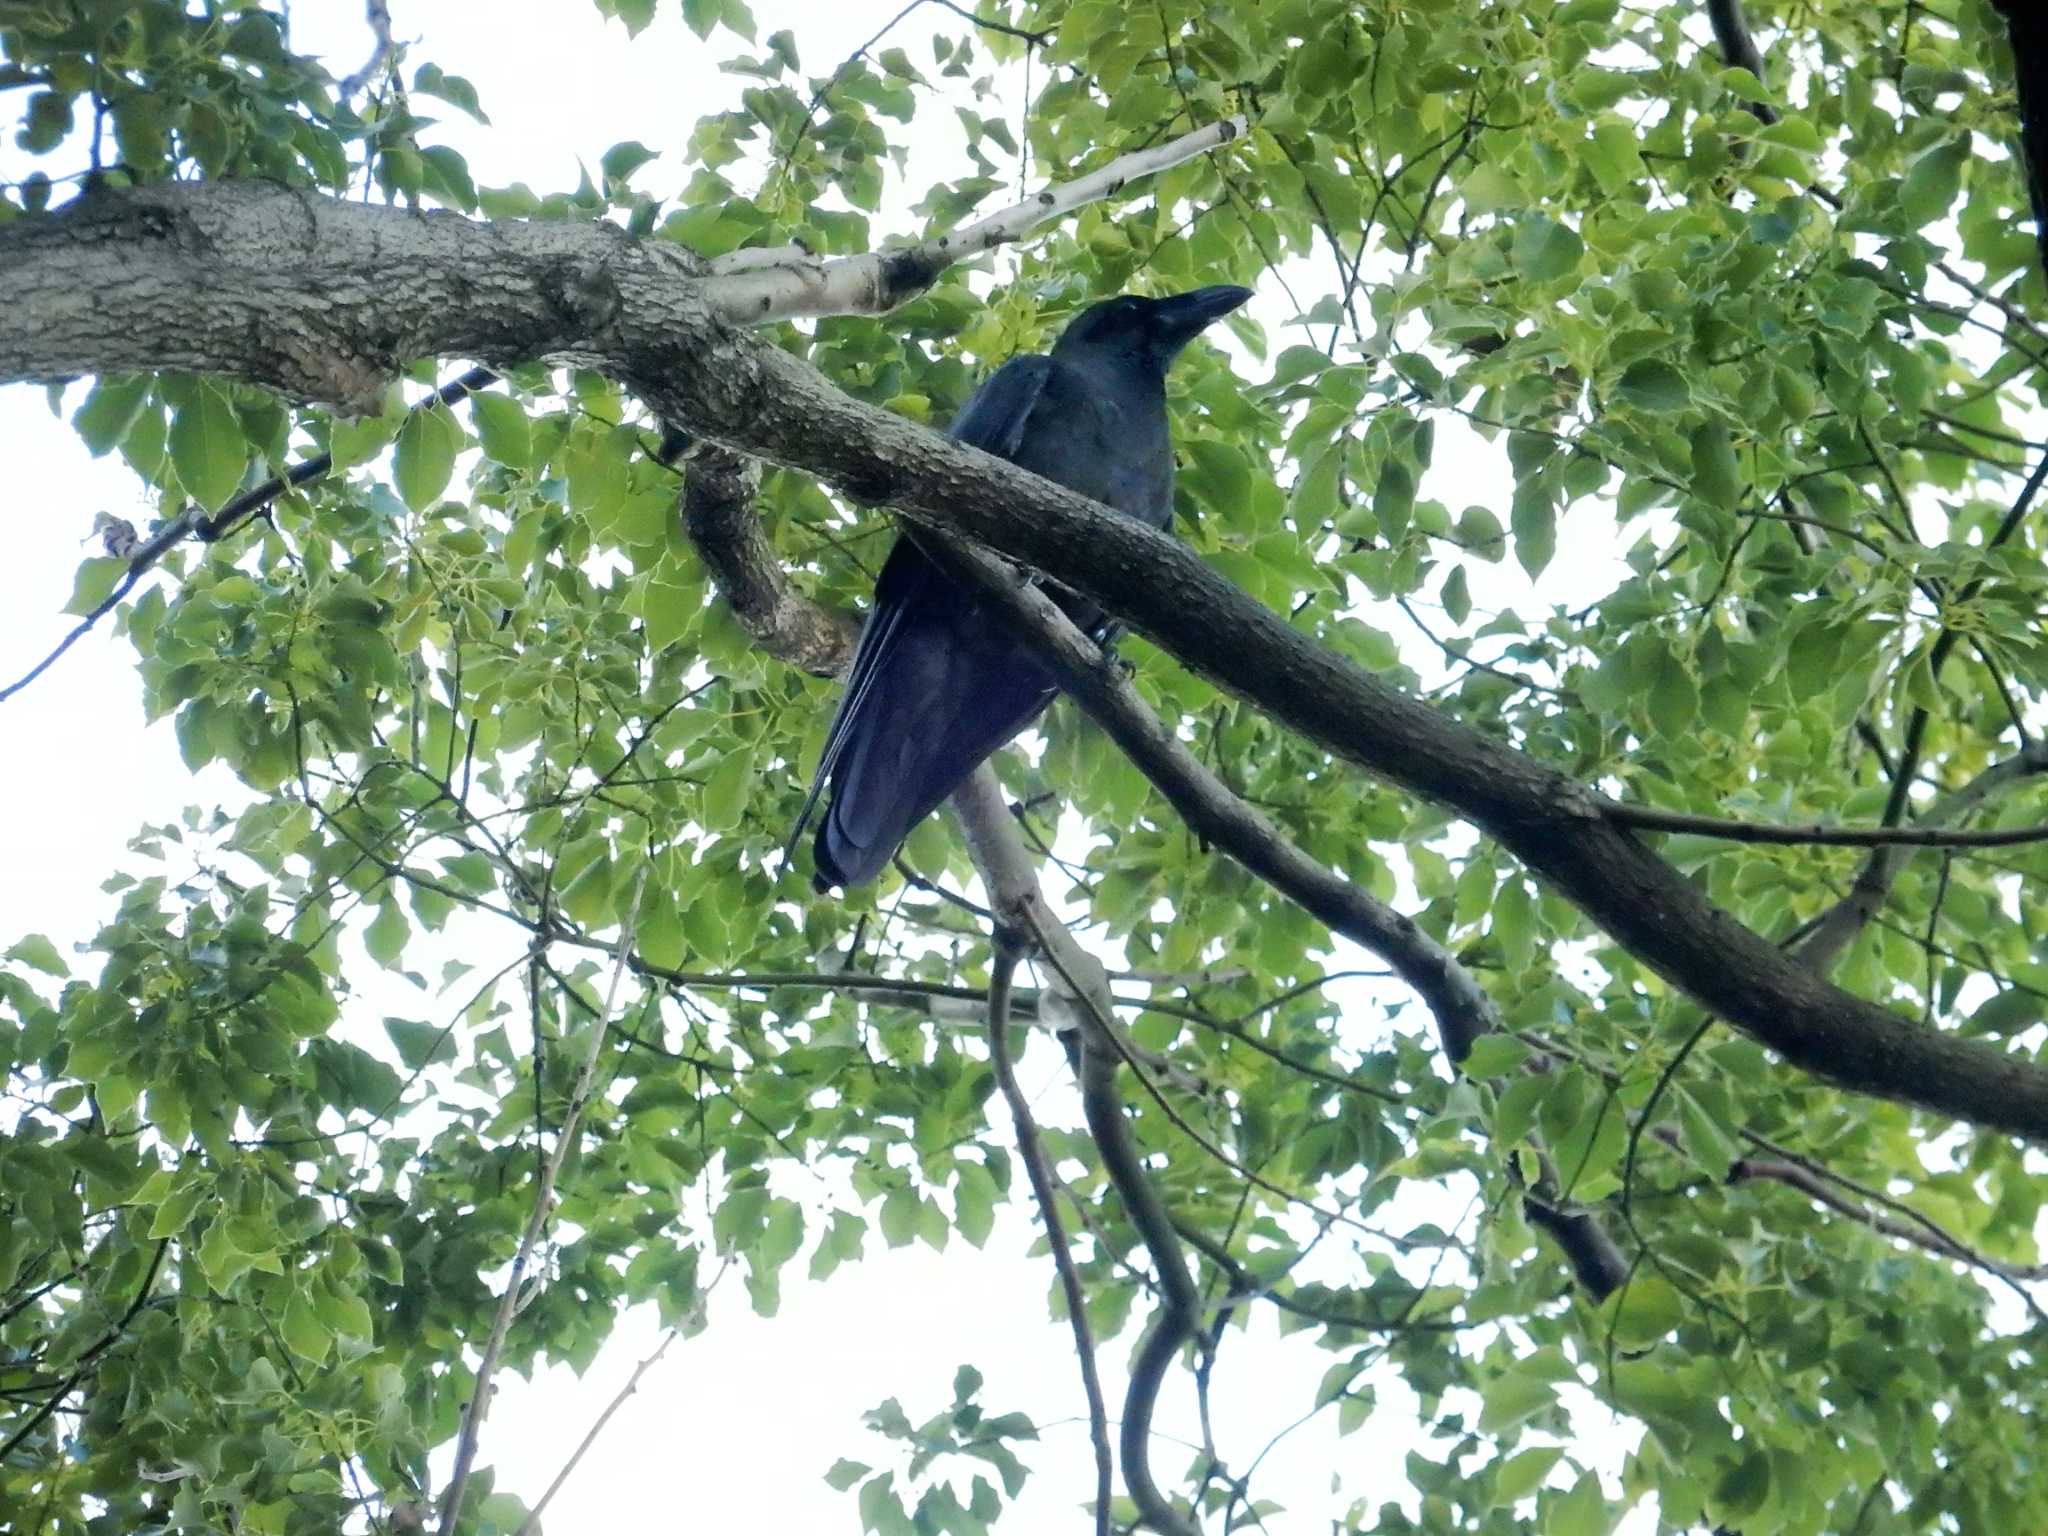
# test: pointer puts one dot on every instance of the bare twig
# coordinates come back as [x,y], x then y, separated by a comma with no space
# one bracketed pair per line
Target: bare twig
[1032,1150]
[378,14]
[531,1523]
[536,1222]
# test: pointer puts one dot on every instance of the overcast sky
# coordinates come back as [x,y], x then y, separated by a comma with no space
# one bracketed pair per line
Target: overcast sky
[735,1429]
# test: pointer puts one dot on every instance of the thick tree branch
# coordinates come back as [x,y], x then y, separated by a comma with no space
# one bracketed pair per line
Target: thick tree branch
[360,282]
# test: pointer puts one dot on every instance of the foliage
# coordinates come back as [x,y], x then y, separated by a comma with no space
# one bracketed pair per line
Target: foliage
[478,685]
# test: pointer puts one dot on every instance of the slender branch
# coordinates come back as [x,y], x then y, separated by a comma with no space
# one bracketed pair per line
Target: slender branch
[193,523]
[718,515]
[1739,50]
[1821,1190]
[536,1222]
[753,287]
[378,14]
[1649,818]
[1032,1150]
[1081,984]
[531,1523]
[1837,928]
[1036,39]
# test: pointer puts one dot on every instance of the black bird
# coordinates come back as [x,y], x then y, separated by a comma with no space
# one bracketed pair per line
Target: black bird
[938,682]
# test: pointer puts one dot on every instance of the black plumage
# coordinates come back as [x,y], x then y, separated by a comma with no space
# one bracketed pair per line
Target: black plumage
[938,683]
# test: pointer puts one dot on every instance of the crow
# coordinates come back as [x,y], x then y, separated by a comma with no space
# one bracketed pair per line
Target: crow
[938,682]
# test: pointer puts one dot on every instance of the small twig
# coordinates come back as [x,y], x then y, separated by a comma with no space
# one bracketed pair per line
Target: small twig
[378,14]
[536,1222]
[1816,834]
[1032,1150]
[531,1523]
[193,523]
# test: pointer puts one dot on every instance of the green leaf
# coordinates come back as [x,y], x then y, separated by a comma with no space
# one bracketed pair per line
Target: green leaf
[387,933]
[1456,598]
[2007,1013]
[208,450]
[110,412]
[1743,1488]
[1716,478]
[503,429]
[420,1045]
[726,791]
[1523,1473]
[1644,1311]
[1674,701]
[845,1474]
[622,160]
[39,952]
[1509,1399]
[1930,186]
[1651,384]
[1546,250]
[425,459]
[97,578]
[1394,500]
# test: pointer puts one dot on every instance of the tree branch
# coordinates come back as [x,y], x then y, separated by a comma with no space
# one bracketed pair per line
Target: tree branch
[536,1222]
[1032,1150]
[1739,50]
[753,286]
[718,515]
[1921,1234]
[1925,834]
[285,271]
[1081,986]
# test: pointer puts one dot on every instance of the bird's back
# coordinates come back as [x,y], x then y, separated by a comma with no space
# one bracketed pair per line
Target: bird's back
[938,683]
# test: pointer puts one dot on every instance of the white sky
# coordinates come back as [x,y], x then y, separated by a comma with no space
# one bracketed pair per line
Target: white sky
[733,1430]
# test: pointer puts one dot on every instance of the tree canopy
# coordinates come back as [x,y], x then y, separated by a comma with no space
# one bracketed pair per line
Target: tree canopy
[1606,591]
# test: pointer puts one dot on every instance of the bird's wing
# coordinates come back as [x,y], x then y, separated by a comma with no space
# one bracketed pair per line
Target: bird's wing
[992,420]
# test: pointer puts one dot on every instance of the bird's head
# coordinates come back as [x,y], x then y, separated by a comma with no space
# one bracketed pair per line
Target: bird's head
[1149,330]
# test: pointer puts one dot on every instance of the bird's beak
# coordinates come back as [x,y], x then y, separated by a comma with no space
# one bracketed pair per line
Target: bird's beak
[1184,314]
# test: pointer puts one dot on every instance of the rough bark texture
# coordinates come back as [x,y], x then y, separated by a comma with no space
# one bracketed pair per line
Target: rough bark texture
[320,298]
[718,515]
